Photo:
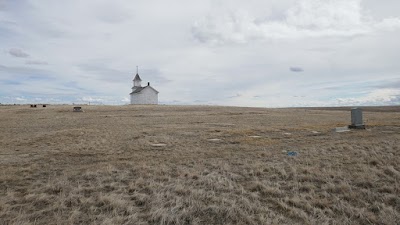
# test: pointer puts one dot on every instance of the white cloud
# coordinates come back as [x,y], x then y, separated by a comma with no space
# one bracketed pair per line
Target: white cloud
[125,100]
[20,99]
[327,14]
[389,24]
[91,99]
[305,19]
[387,96]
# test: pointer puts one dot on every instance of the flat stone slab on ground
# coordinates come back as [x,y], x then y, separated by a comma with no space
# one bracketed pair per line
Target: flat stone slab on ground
[214,139]
[389,131]
[341,129]
[221,124]
[255,136]
[158,145]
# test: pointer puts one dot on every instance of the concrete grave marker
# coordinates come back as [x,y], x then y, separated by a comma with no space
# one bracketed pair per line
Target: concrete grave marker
[77,109]
[357,119]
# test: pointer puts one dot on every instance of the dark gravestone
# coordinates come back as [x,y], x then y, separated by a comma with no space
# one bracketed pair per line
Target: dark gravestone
[78,109]
[357,119]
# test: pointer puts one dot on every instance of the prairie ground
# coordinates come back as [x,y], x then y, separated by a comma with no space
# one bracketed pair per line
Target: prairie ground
[197,165]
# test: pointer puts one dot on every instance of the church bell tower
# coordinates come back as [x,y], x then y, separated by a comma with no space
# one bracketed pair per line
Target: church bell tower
[137,82]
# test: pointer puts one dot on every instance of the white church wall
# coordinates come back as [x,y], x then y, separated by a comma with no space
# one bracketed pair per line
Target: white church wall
[145,97]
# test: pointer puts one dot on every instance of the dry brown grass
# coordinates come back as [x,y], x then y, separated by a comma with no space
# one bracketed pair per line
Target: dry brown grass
[99,167]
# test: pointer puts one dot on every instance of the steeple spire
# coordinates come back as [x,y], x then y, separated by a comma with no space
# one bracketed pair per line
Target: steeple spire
[137,81]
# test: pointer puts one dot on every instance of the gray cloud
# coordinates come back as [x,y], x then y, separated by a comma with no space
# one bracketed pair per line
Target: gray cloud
[18,53]
[395,83]
[10,82]
[296,69]
[23,71]
[7,22]
[152,74]
[2,5]
[36,62]
[103,73]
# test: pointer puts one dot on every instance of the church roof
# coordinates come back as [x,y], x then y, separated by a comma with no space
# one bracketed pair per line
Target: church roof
[139,89]
[137,77]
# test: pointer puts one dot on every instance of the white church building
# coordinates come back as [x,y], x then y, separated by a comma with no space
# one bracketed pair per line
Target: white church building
[143,95]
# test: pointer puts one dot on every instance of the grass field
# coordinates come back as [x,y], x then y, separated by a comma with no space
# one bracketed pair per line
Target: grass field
[219,165]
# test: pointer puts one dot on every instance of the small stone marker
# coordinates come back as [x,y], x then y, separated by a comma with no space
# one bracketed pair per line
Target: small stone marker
[357,119]
[78,109]
[341,129]
[255,136]
[214,140]
[159,145]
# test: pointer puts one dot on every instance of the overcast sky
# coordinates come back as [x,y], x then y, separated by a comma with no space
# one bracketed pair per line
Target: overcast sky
[266,53]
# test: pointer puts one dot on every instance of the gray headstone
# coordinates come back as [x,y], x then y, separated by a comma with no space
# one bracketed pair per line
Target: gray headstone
[78,109]
[357,118]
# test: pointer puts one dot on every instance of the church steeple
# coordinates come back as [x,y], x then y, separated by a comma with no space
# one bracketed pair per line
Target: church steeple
[137,82]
